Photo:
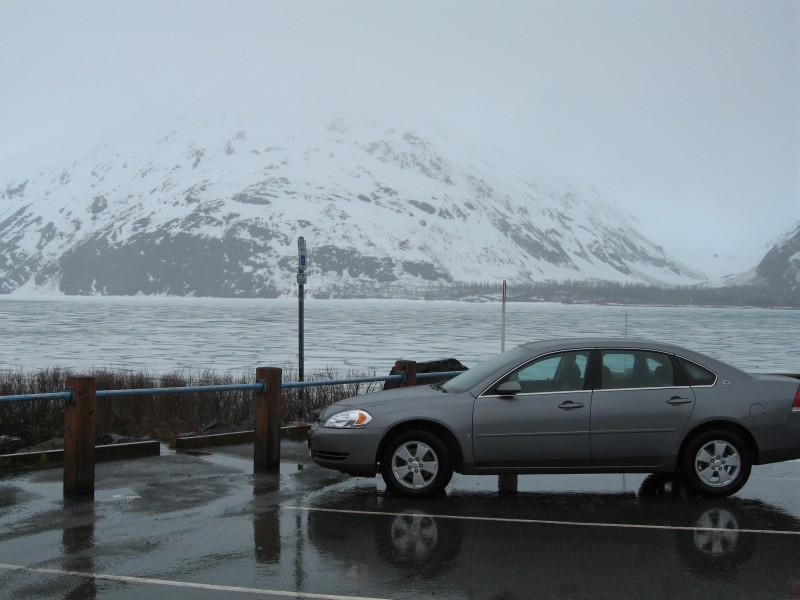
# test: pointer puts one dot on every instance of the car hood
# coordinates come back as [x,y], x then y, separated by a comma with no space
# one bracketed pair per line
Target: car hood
[377,398]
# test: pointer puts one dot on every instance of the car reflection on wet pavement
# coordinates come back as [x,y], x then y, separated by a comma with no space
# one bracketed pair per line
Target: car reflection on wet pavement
[205,526]
[580,545]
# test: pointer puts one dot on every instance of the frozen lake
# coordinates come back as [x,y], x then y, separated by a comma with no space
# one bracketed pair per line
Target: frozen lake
[165,334]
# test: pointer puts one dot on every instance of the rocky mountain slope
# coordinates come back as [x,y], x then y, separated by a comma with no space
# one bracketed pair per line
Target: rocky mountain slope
[214,209]
[779,270]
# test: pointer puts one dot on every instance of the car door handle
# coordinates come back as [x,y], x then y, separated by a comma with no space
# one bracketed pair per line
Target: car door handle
[569,405]
[678,400]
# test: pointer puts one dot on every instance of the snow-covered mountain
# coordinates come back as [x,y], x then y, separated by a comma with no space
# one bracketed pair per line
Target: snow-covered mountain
[215,209]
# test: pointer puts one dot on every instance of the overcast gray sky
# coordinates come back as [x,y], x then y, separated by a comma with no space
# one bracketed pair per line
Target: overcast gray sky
[685,112]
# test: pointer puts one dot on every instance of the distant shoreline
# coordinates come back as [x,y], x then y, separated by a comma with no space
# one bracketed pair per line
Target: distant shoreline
[569,294]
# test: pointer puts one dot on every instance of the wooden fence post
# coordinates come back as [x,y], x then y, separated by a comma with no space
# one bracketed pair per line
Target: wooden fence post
[267,414]
[507,483]
[409,370]
[79,435]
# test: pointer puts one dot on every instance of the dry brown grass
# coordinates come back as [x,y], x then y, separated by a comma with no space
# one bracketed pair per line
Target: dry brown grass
[162,417]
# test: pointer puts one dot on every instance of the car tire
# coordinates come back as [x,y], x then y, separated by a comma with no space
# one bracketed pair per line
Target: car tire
[716,463]
[416,464]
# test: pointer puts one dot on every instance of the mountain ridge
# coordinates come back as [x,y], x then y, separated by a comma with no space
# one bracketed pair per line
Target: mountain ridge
[214,209]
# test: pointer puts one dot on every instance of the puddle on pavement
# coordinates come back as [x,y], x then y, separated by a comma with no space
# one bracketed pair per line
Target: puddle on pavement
[233,461]
[123,495]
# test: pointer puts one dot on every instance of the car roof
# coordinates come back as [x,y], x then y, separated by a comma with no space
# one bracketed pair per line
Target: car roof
[577,343]
[601,342]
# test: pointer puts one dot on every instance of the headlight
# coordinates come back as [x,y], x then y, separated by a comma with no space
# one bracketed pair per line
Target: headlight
[351,419]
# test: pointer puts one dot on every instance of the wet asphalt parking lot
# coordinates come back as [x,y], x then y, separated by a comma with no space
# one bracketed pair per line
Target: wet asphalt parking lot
[204,526]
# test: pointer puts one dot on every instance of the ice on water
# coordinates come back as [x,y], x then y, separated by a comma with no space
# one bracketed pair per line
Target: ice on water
[165,334]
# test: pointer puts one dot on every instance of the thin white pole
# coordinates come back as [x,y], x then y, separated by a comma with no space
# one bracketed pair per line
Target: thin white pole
[503,321]
[507,483]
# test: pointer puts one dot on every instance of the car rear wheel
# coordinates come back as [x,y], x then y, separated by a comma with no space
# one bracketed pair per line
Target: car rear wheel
[716,463]
[416,464]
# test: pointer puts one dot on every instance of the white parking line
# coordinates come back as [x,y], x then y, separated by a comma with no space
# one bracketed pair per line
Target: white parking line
[184,584]
[538,521]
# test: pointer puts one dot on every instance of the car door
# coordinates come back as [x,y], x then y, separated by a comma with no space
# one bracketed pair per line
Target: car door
[639,408]
[545,424]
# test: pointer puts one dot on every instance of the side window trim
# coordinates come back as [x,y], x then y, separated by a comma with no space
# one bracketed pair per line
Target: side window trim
[688,380]
[587,376]
[679,378]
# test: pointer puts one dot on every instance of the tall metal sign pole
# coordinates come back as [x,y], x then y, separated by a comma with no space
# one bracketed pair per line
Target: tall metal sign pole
[301,281]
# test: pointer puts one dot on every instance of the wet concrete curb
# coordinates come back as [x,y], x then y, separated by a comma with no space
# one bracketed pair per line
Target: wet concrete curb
[50,458]
[295,433]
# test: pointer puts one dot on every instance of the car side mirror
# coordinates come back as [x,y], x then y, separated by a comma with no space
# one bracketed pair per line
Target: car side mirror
[508,388]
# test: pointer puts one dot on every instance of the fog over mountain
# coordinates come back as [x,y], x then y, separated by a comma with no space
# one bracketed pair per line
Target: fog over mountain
[683,114]
[214,208]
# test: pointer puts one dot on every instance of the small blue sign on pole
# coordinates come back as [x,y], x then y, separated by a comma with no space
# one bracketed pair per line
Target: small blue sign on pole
[301,252]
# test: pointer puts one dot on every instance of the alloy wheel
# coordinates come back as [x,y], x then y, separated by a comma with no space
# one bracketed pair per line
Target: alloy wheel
[717,463]
[414,465]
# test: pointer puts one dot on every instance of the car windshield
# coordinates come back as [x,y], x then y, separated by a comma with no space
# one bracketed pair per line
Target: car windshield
[468,379]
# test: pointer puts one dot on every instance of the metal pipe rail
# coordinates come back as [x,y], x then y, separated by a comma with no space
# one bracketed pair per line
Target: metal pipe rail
[139,392]
[320,382]
[189,389]
[49,396]
[234,387]
[196,389]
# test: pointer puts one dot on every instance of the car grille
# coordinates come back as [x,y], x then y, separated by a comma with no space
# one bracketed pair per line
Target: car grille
[335,456]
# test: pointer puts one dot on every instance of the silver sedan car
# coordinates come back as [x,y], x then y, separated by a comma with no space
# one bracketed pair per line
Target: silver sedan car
[569,406]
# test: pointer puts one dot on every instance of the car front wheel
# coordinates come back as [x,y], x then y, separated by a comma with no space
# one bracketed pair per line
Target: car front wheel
[716,463]
[416,464]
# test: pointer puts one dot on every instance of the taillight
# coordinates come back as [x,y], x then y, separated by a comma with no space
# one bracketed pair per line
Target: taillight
[796,405]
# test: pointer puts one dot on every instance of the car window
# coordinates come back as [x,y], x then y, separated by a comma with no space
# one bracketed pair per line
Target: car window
[561,372]
[625,369]
[472,377]
[696,374]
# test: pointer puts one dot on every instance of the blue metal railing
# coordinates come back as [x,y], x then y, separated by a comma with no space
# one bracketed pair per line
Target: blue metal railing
[321,382]
[235,387]
[232,387]
[439,374]
[48,396]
